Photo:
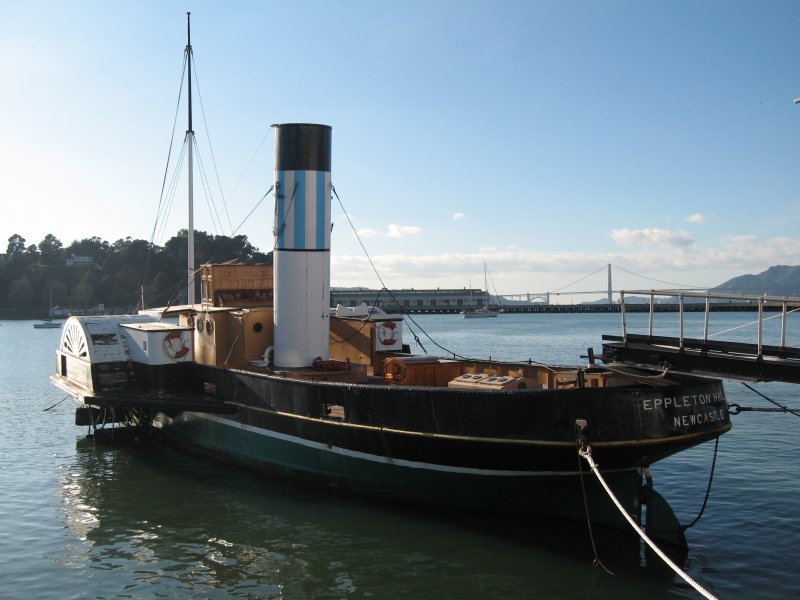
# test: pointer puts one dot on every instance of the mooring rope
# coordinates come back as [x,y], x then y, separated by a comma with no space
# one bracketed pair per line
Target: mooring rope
[597,562]
[56,404]
[587,454]
[708,489]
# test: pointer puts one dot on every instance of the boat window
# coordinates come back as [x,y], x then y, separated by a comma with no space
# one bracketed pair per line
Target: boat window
[209,327]
[257,327]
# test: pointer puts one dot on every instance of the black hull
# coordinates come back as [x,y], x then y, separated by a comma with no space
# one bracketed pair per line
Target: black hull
[627,427]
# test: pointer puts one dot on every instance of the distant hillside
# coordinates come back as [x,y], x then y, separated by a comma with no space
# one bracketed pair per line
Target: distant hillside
[781,280]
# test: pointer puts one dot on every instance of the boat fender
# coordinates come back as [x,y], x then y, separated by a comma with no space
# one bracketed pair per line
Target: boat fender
[175,346]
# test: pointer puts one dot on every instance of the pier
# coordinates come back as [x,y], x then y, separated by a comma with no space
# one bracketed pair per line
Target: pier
[597,308]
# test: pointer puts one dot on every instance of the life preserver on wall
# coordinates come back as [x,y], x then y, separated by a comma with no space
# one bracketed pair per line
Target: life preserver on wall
[175,346]
[387,333]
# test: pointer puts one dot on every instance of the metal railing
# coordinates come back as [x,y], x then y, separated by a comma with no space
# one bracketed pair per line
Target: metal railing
[787,304]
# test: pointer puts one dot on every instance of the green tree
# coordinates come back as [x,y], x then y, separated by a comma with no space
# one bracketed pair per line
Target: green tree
[51,251]
[95,247]
[16,246]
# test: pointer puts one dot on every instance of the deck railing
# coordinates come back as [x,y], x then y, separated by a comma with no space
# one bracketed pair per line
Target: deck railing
[787,304]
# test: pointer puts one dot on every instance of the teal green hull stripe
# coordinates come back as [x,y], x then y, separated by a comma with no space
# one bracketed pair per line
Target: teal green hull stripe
[549,493]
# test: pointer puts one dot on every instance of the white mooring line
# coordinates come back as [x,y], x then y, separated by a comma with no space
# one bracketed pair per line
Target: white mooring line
[587,454]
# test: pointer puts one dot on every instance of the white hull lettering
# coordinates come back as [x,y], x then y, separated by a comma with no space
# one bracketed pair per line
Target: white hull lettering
[712,416]
[682,401]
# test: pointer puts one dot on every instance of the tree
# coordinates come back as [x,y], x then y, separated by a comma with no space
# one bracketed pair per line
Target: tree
[95,247]
[16,246]
[118,273]
[51,251]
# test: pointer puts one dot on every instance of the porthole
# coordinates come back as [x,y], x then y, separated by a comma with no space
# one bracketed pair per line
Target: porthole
[209,327]
[190,320]
[200,325]
[257,327]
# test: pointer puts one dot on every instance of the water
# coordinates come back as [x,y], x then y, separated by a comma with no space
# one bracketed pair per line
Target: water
[145,521]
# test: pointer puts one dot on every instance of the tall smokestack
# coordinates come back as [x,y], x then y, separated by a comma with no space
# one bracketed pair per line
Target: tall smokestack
[302,258]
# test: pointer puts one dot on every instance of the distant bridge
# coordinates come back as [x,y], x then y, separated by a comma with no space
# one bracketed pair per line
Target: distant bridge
[546,297]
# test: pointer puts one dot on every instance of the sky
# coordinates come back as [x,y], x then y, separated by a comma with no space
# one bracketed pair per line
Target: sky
[544,139]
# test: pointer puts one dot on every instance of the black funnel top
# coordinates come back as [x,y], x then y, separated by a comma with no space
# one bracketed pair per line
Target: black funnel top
[302,147]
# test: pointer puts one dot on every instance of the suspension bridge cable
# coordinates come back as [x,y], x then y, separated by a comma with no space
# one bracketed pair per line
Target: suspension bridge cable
[578,281]
[680,285]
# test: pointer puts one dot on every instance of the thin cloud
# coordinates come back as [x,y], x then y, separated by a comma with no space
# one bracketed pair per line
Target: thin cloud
[458,216]
[404,231]
[651,237]
[696,218]
[392,231]
[516,270]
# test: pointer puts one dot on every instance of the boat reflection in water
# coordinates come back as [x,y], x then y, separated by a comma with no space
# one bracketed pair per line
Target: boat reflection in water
[229,534]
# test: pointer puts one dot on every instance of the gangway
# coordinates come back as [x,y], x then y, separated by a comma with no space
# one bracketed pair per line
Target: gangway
[731,359]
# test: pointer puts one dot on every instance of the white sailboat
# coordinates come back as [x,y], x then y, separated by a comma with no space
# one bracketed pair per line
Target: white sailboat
[48,323]
[483,312]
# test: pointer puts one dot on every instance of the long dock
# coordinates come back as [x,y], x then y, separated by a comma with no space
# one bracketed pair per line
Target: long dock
[599,308]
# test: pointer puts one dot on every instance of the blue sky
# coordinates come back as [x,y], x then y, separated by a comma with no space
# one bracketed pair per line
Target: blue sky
[544,138]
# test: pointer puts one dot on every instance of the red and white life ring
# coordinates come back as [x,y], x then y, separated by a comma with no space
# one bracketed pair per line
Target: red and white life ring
[175,346]
[387,333]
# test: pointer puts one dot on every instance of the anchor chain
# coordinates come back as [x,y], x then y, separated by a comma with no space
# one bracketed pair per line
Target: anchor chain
[735,409]
[781,407]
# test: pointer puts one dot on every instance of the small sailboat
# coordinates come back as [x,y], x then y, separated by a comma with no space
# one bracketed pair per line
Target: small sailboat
[48,323]
[483,312]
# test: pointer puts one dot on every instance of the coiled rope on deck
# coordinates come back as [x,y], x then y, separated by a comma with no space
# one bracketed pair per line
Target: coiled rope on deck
[586,453]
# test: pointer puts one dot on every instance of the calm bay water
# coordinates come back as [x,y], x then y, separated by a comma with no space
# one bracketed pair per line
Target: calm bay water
[144,521]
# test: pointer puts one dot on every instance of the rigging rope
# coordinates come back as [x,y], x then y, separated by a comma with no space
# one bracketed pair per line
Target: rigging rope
[384,287]
[250,162]
[146,266]
[407,318]
[587,454]
[169,152]
[210,147]
[212,206]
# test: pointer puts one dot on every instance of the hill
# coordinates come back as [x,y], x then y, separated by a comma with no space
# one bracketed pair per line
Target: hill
[780,280]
